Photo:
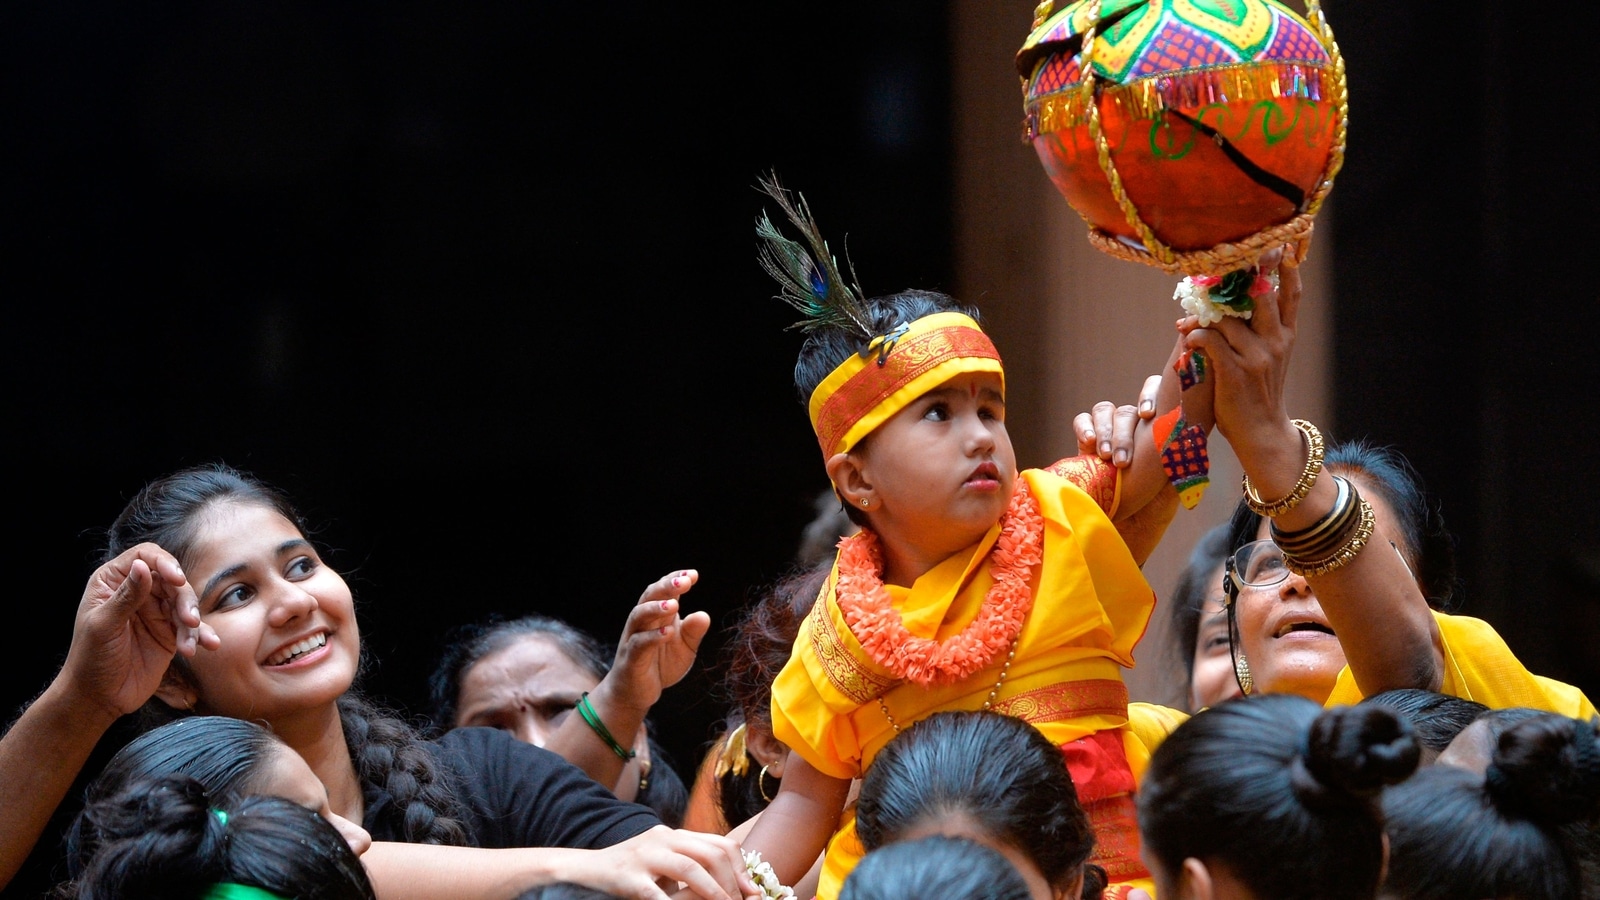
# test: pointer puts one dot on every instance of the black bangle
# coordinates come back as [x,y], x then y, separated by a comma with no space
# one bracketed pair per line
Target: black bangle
[586,710]
[1326,534]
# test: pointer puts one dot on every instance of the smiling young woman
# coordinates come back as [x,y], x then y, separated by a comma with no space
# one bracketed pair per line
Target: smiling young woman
[472,812]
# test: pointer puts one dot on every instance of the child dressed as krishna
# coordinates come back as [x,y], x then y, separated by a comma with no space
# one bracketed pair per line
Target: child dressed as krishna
[970,584]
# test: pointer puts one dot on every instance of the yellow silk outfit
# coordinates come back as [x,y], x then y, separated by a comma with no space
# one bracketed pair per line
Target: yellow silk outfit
[1478,665]
[1091,605]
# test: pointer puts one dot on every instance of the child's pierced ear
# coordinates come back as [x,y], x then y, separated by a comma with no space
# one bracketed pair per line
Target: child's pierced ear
[849,482]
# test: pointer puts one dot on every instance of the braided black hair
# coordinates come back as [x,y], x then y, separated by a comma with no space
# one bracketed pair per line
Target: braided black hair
[391,758]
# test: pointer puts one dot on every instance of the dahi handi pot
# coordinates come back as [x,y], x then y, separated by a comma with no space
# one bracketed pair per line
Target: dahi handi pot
[1206,130]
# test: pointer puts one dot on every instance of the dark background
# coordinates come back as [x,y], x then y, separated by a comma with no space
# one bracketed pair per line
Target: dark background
[477,285]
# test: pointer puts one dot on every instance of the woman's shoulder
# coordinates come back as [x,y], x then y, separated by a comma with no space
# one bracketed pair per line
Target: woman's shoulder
[518,794]
[478,752]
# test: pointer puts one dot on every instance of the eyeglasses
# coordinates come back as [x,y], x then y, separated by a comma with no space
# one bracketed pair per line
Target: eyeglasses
[1259,564]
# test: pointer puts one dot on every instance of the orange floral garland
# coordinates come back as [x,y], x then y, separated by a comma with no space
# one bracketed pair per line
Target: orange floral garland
[877,625]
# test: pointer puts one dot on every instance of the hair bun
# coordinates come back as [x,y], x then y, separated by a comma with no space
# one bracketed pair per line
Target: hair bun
[1547,769]
[1351,753]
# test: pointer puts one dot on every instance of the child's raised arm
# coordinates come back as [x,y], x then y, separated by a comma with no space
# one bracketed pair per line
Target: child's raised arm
[1168,458]
[1160,444]
[1132,439]
[795,827]
[1168,454]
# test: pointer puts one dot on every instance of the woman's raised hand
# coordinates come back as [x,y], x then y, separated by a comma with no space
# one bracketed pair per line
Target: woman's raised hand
[659,643]
[1250,361]
[138,611]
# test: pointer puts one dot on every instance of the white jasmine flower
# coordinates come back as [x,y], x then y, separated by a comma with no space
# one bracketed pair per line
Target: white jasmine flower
[766,879]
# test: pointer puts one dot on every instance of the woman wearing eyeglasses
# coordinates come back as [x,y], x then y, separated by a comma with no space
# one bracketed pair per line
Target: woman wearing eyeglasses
[1285,638]
[1337,561]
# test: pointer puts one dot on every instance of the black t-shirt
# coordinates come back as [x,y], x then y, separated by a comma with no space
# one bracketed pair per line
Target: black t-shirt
[517,795]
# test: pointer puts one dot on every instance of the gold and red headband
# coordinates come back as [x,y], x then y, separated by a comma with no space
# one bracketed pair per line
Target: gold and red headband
[895,369]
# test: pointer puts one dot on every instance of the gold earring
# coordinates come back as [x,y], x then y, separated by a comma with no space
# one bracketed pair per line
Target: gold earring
[1241,671]
[865,502]
[761,783]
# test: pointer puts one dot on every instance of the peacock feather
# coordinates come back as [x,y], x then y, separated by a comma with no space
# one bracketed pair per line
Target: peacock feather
[816,289]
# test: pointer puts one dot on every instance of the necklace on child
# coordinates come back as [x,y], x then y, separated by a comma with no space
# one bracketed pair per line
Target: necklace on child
[877,625]
[994,692]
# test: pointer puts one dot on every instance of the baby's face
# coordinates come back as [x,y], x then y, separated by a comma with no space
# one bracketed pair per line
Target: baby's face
[941,470]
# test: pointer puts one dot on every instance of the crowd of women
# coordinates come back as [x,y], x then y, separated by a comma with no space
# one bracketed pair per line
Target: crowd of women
[1346,736]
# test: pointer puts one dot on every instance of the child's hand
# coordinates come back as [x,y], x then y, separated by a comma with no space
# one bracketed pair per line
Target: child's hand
[1108,430]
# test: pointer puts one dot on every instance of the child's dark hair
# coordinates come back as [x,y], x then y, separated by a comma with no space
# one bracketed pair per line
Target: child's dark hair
[1530,828]
[825,348]
[227,757]
[998,772]
[169,837]
[758,647]
[934,866]
[386,749]
[566,890]
[1261,779]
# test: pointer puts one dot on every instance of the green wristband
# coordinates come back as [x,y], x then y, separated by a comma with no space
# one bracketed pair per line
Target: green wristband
[586,710]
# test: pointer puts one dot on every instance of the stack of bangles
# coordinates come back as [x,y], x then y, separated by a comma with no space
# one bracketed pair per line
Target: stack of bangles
[1333,540]
[592,719]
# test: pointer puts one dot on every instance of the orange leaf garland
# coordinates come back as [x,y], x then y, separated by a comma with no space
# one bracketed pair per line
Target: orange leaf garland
[877,625]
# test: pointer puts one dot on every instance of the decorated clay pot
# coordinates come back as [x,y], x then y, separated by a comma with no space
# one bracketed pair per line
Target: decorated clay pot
[1217,119]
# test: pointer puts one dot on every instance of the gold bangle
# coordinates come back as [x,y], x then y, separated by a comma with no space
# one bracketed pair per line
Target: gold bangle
[1343,556]
[1308,477]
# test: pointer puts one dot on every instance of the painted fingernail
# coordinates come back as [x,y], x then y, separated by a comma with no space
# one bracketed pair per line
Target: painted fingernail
[666,604]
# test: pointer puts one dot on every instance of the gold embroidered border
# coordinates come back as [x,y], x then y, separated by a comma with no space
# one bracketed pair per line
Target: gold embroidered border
[1116,837]
[1149,97]
[909,359]
[1068,700]
[846,673]
[1094,476]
